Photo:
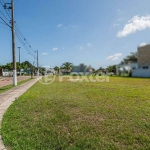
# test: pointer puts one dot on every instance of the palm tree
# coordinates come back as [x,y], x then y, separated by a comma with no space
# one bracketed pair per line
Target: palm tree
[67,66]
[133,57]
[56,68]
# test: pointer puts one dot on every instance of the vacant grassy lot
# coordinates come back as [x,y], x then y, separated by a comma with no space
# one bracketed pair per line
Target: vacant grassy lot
[80,116]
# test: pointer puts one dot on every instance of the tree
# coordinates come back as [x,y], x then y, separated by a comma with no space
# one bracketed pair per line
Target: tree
[93,69]
[67,66]
[24,65]
[56,68]
[9,66]
[18,66]
[42,70]
[133,58]
[111,68]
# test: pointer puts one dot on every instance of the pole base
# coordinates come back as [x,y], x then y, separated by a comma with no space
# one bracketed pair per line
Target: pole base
[14,78]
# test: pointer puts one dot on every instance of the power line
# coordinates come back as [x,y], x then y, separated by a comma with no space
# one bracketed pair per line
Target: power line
[5,16]
[19,34]
[5,22]
[22,38]
[16,26]
[4,27]
[8,13]
[19,30]
[6,9]
[15,30]
[2,23]
[1,3]
[24,45]
[19,38]
[22,35]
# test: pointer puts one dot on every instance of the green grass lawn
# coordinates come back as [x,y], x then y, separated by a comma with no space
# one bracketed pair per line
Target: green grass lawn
[80,116]
[8,87]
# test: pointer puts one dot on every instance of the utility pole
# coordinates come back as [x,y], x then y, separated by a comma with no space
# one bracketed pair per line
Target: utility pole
[19,59]
[13,40]
[19,54]
[37,63]
[13,47]
[33,70]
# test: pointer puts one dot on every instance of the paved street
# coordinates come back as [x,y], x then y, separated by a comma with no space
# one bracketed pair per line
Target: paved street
[8,80]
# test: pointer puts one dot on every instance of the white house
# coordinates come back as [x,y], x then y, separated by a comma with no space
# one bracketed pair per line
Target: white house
[142,67]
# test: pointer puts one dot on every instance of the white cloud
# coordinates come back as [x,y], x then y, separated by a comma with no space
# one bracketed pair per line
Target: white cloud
[63,48]
[89,44]
[80,47]
[59,25]
[55,49]
[135,24]
[115,25]
[115,56]
[143,44]
[44,53]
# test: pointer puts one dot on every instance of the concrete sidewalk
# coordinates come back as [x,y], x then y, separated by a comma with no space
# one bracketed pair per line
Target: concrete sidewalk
[8,97]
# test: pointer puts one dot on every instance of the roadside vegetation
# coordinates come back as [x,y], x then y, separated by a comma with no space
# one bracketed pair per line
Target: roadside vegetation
[8,87]
[80,116]
[26,66]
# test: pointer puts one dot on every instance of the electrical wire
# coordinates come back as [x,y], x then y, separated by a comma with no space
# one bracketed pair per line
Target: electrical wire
[19,38]
[23,39]
[18,32]
[5,22]
[5,16]
[22,35]
[4,27]
[1,3]
[24,45]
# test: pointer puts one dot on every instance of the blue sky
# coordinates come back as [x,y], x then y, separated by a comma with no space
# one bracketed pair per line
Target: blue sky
[93,32]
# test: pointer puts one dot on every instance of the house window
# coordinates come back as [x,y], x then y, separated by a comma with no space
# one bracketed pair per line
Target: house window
[145,67]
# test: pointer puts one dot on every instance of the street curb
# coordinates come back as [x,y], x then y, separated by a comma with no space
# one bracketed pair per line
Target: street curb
[5,105]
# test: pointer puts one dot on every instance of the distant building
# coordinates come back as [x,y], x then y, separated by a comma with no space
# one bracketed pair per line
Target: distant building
[5,73]
[142,67]
[50,71]
[144,57]
[81,68]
